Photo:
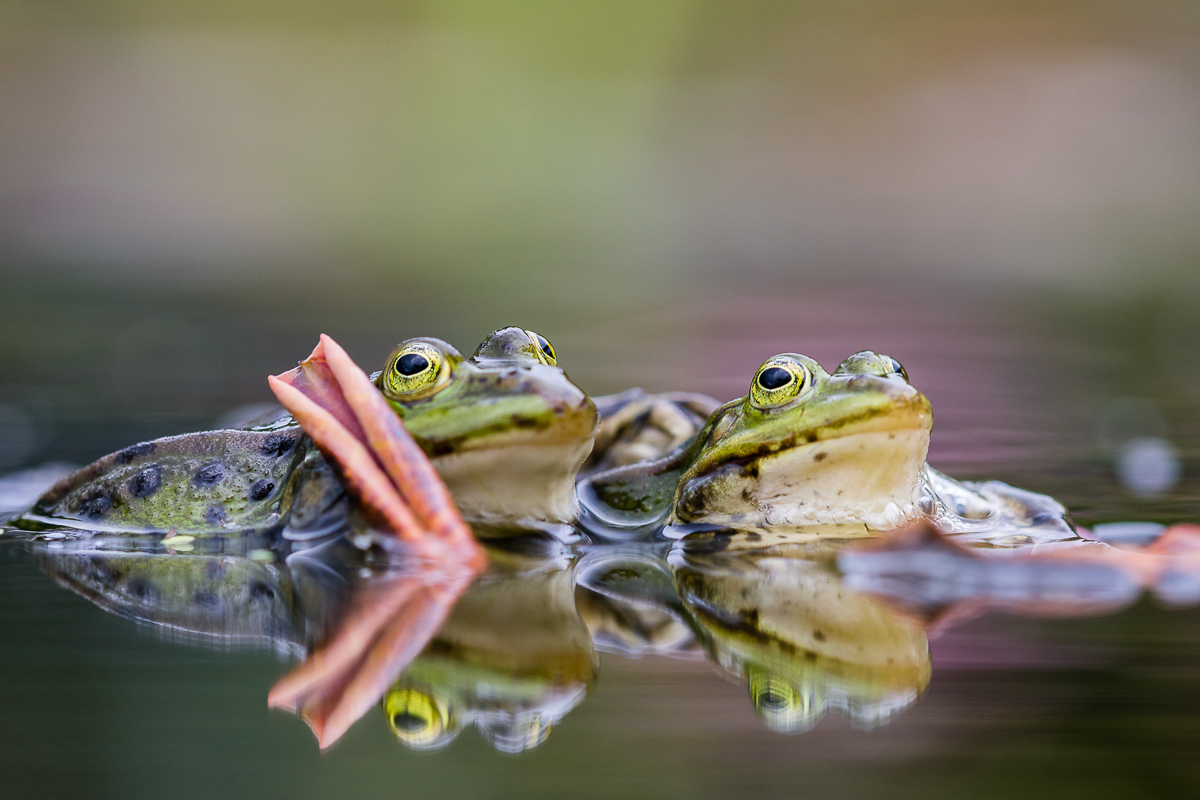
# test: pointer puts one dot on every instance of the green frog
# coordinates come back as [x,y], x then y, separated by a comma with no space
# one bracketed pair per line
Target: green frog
[226,590]
[506,429]
[799,639]
[512,658]
[807,448]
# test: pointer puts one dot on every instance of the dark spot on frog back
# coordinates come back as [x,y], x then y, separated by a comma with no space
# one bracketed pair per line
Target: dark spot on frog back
[143,590]
[210,474]
[215,515]
[261,489]
[96,505]
[146,482]
[261,591]
[821,456]
[130,454]
[207,599]
[278,444]
[100,570]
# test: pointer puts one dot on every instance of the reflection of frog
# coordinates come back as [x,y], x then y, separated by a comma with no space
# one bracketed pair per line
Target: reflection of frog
[626,595]
[506,429]
[516,653]
[217,589]
[806,447]
[513,658]
[800,640]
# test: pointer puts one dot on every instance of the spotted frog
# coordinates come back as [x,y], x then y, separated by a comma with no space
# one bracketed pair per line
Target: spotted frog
[506,429]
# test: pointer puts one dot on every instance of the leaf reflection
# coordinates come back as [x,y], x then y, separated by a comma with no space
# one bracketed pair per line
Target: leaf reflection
[809,628]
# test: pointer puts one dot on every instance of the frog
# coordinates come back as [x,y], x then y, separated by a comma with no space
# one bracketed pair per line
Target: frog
[636,426]
[513,658]
[506,429]
[229,591]
[842,452]
[801,641]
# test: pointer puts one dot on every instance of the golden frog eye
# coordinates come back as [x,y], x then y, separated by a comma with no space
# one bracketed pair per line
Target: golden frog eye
[778,381]
[782,706]
[545,350]
[415,370]
[417,719]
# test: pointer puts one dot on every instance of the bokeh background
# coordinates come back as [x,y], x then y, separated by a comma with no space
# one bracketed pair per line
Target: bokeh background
[1003,194]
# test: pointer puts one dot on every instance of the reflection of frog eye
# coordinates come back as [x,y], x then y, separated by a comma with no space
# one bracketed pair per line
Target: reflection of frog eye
[545,350]
[516,735]
[782,706]
[419,720]
[415,370]
[779,380]
[894,366]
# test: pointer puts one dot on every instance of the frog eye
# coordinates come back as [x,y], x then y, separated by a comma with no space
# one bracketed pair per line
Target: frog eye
[546,352]
[782,706]
[415,370]
[779,380]
[894,367]
[418,719]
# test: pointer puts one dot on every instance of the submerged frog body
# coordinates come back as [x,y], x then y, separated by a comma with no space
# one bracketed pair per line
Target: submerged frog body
[506,429]
[807,448]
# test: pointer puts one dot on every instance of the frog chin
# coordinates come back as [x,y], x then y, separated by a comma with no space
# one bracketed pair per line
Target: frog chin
[869,477]
[521,485]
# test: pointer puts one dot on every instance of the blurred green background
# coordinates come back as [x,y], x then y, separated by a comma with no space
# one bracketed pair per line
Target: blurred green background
[1002,194]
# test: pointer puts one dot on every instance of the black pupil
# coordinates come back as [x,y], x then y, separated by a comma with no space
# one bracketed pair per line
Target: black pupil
[412,364]
[772,700]
[545,345]
[409,723]
[774,377]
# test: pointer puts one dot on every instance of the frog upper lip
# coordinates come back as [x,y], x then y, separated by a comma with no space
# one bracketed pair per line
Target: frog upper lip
[906,409]
[573,415]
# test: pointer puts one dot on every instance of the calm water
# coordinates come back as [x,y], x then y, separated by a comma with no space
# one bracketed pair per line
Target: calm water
[1100,705]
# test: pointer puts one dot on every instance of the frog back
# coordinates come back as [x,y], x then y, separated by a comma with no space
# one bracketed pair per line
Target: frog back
[212,481]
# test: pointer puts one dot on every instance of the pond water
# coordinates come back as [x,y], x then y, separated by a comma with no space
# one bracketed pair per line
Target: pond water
[601,670]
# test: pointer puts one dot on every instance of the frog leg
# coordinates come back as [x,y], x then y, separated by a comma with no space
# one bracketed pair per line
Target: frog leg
[390,622]
[343,412]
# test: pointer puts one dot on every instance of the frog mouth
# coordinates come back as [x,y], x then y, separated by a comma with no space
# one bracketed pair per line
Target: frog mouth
[865,471]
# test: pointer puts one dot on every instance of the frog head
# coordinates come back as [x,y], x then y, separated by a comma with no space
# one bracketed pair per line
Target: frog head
[505,428]
[807,446]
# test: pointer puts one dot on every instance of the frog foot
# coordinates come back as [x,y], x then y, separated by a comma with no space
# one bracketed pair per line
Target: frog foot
[391,620]
[337,405]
